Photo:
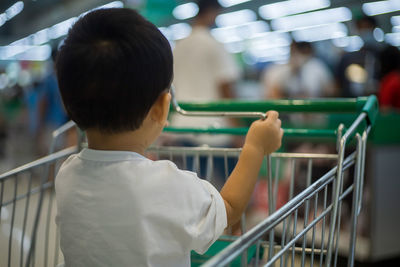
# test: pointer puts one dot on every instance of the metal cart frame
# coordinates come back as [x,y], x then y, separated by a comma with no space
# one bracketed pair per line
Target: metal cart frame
[26,254]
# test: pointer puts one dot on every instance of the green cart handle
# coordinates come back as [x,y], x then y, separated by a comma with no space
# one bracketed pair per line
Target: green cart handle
[324,133]
[334,105]
[369,105]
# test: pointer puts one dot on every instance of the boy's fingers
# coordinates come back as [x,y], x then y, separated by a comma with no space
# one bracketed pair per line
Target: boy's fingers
[279,122]
[272,115]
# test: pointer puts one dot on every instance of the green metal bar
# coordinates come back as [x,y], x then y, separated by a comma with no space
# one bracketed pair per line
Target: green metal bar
[369,105]
[328,133]
[328,105]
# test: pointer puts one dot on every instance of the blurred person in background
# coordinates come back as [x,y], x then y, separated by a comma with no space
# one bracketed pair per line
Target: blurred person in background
[51,113]
[203,71]
[305,76]
[358,72]
[389,90]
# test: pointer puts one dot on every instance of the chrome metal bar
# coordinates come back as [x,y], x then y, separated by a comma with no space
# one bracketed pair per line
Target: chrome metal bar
[1,195]
[12,221]
[294,233]
[276,182]
[271,207]
[323,227]
[291,192]
[183,112]
[185,167]
[243,229]
[336,190]
[47,234]
[302,233]
[56,133]
[364,141]
[309,173]
[209,167]
[313,231]
[47,159]
[283,240]
[235,152]
[196,163]
[305,230]
[27,202]
[354,213]
[258,253]
[226,169]
[271,221]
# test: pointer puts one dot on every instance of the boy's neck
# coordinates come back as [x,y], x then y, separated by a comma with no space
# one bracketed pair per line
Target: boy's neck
[134,141]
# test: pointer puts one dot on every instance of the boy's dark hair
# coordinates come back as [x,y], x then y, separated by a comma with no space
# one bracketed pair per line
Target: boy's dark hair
[112,67]
[205,5]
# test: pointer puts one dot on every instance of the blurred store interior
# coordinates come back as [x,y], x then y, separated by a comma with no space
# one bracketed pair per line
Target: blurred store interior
[354,44]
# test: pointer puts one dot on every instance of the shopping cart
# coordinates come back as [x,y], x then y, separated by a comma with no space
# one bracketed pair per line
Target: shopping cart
[305,228]
[28,234]
[308,229]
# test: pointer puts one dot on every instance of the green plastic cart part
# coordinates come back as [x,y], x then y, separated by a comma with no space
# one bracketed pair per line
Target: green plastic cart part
[369,105]
[329,133]
[327,105]
[219,245]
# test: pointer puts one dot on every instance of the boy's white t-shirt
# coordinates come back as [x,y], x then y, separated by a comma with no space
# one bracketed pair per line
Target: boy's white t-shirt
[118,208]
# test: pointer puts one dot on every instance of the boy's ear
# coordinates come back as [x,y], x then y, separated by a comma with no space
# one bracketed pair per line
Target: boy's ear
[159,110]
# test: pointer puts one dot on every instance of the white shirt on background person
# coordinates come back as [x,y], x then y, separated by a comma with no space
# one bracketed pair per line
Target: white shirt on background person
[201,64]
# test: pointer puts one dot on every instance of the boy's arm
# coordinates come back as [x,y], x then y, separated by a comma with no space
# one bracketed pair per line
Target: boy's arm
[263,137]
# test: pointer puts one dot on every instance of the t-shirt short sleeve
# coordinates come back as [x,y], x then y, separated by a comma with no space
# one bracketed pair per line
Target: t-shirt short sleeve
[211,221]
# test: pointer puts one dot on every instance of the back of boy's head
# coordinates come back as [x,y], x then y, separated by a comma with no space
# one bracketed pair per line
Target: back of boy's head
[111,69]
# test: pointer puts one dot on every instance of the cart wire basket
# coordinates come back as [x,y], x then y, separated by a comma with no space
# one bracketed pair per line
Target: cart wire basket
[308,218]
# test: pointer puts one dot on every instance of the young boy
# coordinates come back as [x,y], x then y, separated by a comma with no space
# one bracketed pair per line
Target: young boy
[116,207]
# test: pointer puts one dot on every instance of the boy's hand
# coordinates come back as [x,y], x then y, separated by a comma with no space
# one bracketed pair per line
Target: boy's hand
[265,135]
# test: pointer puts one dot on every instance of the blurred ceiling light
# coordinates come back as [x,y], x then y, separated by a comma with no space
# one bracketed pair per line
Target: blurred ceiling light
[381,7]
[240,32]
[269,55]
[114,4]
[320,32]
[349,43]
[166,32]
[40,37]
[285,8]
[236,18]
[185,11]
[269,47]
[357,74]
[327,16]
[3,19]
[379,35]
[39,53]
[31,52]
[11,12]
[393,38]
[180,30]
[228,3]
[43,36]
[61,29]
[235,47]
[395,20]
[270,40]
[14,10]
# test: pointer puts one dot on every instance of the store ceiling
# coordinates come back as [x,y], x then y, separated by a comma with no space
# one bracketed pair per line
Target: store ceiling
[39,14]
